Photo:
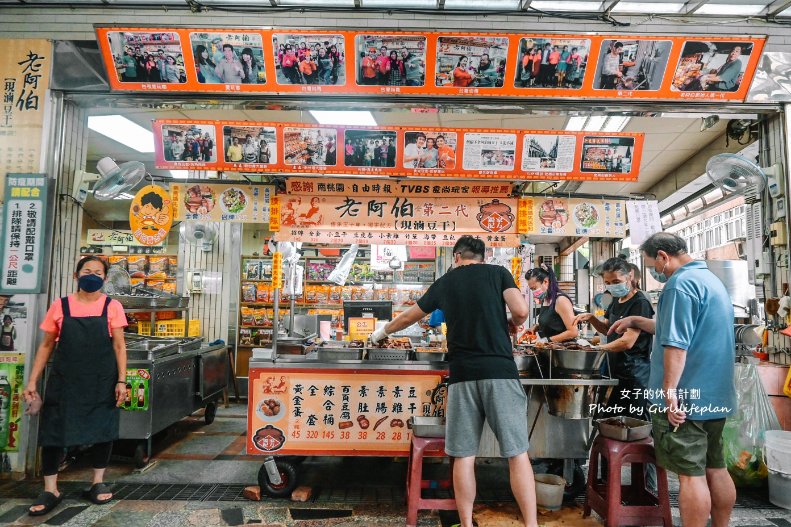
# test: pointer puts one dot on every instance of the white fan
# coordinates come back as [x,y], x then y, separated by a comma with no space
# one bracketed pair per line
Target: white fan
[111,181]
[200,234]
[735,174]
[118,282]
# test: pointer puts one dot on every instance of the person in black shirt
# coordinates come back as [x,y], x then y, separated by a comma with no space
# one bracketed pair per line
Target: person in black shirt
[628,353]
[484,381]
[556,317]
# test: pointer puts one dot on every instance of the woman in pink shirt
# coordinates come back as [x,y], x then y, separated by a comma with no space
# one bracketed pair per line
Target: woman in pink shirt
[86,383]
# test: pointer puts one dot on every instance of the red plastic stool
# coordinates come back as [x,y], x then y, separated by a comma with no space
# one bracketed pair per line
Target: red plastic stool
[626,504]
[420,447]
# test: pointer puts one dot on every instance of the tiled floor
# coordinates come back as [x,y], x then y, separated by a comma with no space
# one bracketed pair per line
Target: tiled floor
[198,474]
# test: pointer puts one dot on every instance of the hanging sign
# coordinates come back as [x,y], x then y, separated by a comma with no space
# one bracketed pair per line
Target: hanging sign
[375,187]
[151,215]
[459,64]
[382,256]
[108,237]
[643,220]
[24,68]
[340,412]
[274,213]
[24,221]
[277,270]
[560,216]
[213,202]
[488,154]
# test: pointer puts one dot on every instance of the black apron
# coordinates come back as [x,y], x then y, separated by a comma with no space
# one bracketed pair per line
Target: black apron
[550,323]
[79,403]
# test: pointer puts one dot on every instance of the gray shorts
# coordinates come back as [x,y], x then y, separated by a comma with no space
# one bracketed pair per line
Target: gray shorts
[501,402]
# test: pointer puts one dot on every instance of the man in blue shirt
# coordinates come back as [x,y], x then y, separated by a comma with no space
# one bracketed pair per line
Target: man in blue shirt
[691,382]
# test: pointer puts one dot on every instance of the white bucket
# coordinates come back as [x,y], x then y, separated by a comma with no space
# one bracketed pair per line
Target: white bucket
[777,451]
[780,489]
[549,491]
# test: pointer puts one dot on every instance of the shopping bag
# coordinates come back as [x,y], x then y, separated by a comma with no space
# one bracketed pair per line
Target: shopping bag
[743,436]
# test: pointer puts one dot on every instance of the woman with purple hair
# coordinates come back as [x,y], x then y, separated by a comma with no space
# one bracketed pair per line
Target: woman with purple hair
[556,317]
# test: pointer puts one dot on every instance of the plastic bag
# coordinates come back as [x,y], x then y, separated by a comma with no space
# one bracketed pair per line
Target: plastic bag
[341,271]
[743,436]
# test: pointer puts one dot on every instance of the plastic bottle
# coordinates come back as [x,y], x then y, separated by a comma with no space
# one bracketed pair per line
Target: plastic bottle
[128,399]
[141,395]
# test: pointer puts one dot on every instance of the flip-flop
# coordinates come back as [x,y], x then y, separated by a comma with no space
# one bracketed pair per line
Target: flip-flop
[93,493]
[48,500]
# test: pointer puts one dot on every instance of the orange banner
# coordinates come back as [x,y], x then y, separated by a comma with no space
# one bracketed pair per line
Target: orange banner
[337,412]
[392,64]
[490,154]
[362,187]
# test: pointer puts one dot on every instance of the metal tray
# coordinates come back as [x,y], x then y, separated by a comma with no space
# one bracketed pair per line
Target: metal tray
[427,426]
[388,354]
[133,302]
[634,431]
[435,356]
[333,354]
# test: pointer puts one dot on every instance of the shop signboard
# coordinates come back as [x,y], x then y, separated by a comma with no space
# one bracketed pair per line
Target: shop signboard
[396,221]
[643,220]
[12,383]
[460,64]
[25,68]
[24,218]
[151,215]
[493,155]
[338,412]
[417,188]
[137,385]
[110,237]
[593,218]
[221,202]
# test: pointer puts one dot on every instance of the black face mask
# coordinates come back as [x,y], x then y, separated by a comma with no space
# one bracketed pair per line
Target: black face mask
[90,283]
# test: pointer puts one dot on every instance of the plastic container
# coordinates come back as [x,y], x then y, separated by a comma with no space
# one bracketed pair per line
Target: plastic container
[780,489]
[169,328]
[549,491]
[777,451]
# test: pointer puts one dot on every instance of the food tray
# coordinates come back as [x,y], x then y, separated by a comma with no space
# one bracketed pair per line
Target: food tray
[333,354]
[430,355]
[388,354]
[634,429]
[133,302]
[427,426]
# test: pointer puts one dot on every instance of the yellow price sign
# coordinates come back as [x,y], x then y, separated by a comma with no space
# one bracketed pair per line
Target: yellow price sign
[516,269]
[274,214]
[360,328]
[277,270]
[524,216]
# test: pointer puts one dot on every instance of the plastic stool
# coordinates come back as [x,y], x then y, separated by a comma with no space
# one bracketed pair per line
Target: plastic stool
[420,447]
[606,497]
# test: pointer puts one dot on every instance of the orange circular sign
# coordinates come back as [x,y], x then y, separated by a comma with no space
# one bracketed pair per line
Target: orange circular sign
[151,215]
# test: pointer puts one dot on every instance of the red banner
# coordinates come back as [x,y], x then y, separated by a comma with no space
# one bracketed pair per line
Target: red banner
[387,63]
[494,154]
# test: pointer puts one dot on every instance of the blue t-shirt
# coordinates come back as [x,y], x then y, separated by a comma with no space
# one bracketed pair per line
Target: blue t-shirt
[695,314]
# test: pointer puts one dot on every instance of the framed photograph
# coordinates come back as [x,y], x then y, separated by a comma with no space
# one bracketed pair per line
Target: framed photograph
[228,58]
[310,146]
[632,64]
[711,66]
[552,62]
[302,58]
[390,60]
[477,62]
[148,57]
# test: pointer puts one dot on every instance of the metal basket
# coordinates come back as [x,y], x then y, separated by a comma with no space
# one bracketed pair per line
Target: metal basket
[388,354]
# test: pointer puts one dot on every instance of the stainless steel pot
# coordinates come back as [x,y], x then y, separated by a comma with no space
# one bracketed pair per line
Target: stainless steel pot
[526,363]
[584,362]
[574,401]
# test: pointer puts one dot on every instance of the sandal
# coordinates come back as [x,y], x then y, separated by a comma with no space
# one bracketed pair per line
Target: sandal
[93,493]
[48,500]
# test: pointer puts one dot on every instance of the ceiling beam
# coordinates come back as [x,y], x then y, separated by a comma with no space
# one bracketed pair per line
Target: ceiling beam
[693,5]
[608,9]
[440,4]
[358,3]
[574,246]
[524,5]
[775,8]
[273,2]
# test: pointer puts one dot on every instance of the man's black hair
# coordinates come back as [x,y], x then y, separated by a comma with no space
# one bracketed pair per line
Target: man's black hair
[153,199]
[664,241]
[470,248]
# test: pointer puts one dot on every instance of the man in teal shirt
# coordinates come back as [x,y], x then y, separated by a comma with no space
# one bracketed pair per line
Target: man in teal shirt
[691,382]
[727,75]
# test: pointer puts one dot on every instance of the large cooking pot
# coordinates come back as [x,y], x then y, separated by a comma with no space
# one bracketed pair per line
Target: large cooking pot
[575,361]
[526,363]
[574,401]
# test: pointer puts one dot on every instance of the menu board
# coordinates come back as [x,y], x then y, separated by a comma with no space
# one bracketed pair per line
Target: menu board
[313,62]
[488,154]
[220,202]
[338,412]
[577,217]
